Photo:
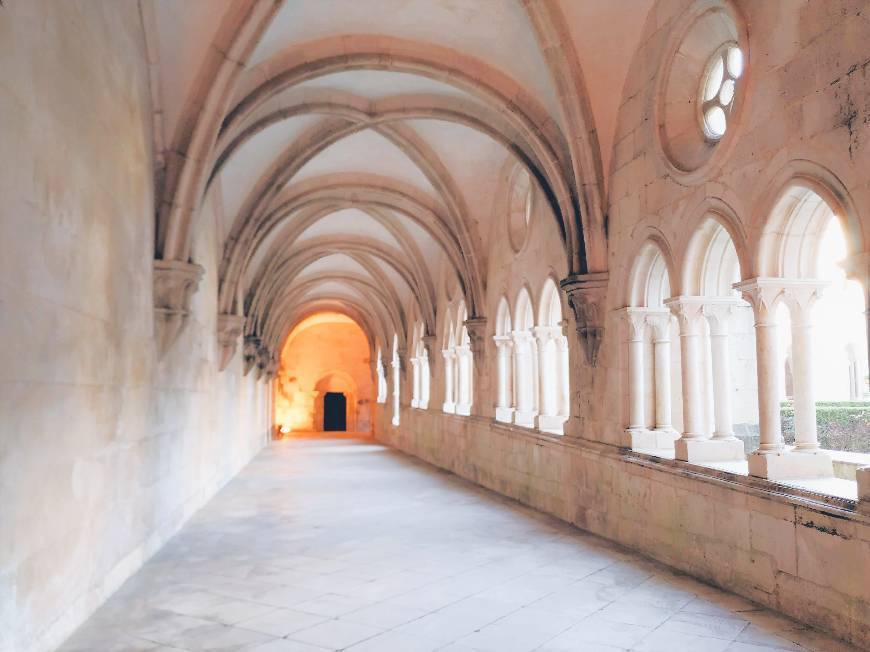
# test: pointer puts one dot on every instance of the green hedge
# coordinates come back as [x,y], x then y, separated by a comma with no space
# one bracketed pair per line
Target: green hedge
[842,425]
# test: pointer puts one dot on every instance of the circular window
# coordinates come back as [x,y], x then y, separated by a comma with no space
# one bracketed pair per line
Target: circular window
[520,206]
[700,90]
[718,86]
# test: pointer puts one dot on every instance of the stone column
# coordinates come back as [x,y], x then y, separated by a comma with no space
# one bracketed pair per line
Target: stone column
[718,314]
[548,379]
[503,409]
[415,374]
[857,268]
[660,321]
[449,404]
[525,412]
[773,460]
[688,313]
[800,300]
[636,430]
[464,380]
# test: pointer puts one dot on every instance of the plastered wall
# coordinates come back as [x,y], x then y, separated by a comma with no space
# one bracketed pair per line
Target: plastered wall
[104,449]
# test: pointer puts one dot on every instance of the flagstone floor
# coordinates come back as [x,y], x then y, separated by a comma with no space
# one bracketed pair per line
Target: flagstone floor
[342,544]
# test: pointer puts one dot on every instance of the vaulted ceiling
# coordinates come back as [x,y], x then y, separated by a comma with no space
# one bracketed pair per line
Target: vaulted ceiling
[351,148]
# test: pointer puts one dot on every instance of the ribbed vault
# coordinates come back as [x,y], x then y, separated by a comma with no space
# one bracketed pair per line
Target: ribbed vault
[348,156]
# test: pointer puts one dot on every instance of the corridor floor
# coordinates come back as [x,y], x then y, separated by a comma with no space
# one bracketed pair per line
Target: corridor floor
[333,544]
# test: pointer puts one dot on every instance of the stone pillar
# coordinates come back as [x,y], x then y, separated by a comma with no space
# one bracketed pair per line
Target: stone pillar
[449,404]
[718,315]
[415,374]
[688,313]
[525,412]
[549,379]
[660,321]
[636,429]
[464,380]
[503,409]
[694,445]
[773,460]
[800,300]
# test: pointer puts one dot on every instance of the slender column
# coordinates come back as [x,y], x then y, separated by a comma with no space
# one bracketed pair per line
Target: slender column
[718,315]
[636,319]
[763,298]
[688,313]
[800,300]
[423,402]
[546,371]
[857,267]
[464,380]
[503,407]
[661,325]
[525,412]
[415,374]
[449,403]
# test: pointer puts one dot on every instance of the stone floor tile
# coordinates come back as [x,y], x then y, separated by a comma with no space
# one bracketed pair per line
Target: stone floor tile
[439,562]
[384,615]
[520,631]
[599,631]
[335,634]
[282,622]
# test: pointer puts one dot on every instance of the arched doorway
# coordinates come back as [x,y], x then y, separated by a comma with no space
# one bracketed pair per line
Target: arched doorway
[335,403]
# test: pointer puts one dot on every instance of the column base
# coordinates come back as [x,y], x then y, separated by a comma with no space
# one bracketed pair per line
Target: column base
[786,464]
[463,410]
[551,422]
[862,475]
[504,414]
[525,419]
[449,408]
[665,437]
[709,450]
[640,438]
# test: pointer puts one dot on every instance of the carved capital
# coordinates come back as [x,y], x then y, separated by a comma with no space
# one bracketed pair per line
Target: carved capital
[251,352]
[429,345]
[174,285]
[476,327]
[272,368]
[586,295]
[229,329]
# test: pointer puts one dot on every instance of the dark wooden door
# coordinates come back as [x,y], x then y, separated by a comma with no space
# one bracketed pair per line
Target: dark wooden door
[334,411]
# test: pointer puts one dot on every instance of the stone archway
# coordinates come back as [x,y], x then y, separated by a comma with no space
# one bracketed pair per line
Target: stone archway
[341,383]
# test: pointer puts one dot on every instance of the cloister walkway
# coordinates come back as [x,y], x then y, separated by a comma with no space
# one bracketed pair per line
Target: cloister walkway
[340,543]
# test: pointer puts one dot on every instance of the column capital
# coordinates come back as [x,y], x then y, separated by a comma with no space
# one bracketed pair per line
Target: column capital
[635,319]
[586,296]
[503,341]
[429,345]
[718,312]
[448,353]
[546,333]
[476,327]
[764,293]
[688,311]
[521,336]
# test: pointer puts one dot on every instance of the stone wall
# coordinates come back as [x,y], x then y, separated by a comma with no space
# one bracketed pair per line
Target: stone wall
[797,555]
[105,450]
